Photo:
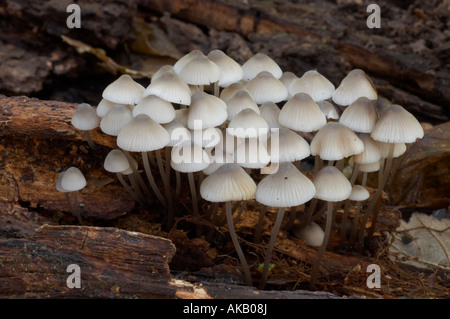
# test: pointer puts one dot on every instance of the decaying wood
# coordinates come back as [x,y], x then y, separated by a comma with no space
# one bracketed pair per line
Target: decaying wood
[37,143]
[113,264]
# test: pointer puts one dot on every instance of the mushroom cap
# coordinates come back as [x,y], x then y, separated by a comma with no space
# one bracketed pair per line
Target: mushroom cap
[228,142]
[314,84]
[239,101]
[286,188]
[287,146]
[335,141]
[162,70]
[85,117]
[353,86]
[312,234]
[251,153]
[185,59]
[301,113]
[116,161]
[73,180]
[264,87]
[331,185]
[248,123]
[219,158]
[208,109]
[371,151]
[124,90]
[130,170]
[228,183]
[58,182]
[200,71]
[368,168]
[359,193]
[258,63]
[360,116]
[228,92]
[171,88]
[113,122]
[156,108]
[142,134]
[288,78]
[397,125]
[270,112]
[231,71]
[189,157]
[177,132]
[103,107]
[207,138]
[328,109]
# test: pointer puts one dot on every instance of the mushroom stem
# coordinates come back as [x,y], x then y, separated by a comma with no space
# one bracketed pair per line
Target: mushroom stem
[328,226]
[241,209]
[260,223]
[374,202]
[165,179]
[355,222]
[193,194]
[151,180]
[246,269]
[317,163]
[76,208]
[216,88]
[130,191]
[271,245]
[344,222]
[136,175]
[88,137]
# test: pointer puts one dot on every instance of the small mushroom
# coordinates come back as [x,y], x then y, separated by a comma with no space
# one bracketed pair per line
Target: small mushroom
[331,186]
[85,119]
[288,187]
[71,181]
[230,183]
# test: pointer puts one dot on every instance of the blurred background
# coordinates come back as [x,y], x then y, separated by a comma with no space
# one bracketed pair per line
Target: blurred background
[408,57]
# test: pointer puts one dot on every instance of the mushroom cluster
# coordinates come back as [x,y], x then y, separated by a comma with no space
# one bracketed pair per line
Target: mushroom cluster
[239,133]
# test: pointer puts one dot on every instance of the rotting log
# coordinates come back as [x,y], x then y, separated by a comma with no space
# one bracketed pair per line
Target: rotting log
[112,263]
[37,142]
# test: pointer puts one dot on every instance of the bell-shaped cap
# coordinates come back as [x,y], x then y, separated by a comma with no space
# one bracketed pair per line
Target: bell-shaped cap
[85,117]
[314,84]
[228,183]
[231,71]
[124,90]
[397,125]
[264,87]
[286,188]
[331,185]
[142,134]
[360,116]
[335,141]
[353,86]
[156,108]
[258,63]
[301,113]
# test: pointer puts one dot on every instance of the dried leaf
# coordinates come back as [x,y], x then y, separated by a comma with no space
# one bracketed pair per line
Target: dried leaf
[423,241]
